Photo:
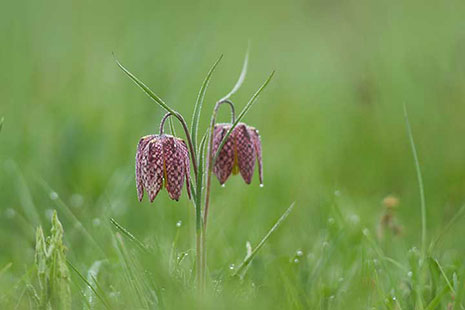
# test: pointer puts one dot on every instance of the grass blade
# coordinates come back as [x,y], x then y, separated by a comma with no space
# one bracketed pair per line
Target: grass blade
[144,87]
[1,123]
[420,183]
[199,102]
[241,78]
[131,237]
[243,113]
[100,297]
[250,256]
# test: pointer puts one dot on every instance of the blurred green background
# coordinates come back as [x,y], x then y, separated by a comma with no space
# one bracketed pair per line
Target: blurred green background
[331,121]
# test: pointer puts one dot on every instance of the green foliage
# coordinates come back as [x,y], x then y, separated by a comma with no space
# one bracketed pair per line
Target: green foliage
[52,270]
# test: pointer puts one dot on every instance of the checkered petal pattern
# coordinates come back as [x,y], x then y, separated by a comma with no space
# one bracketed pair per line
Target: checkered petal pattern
[245,152]
[187,170]
[226,159]
[152,167]
[241,150]
[161,159]
[256,140]
[140,151]
[174,167]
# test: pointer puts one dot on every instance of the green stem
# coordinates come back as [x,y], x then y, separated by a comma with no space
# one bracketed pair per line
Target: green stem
[209,170]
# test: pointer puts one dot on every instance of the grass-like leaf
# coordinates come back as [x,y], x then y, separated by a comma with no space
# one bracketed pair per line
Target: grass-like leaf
[130,236]
[1,123]
[199,102]
[144,87]
[250,256]
[420,183]
[241,78]
[242,114]
[94,290]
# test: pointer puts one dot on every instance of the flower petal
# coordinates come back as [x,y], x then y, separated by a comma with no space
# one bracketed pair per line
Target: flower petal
[174,167]
[245,152]
[187,169]
[139,154]
[225,161]
[152,167]
[258,150]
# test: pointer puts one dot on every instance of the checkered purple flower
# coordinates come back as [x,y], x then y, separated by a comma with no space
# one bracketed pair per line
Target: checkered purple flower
[162,160]
[239,153]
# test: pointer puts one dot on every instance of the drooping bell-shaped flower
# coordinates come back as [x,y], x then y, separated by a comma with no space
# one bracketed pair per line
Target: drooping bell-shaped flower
[162,160]
[239,153]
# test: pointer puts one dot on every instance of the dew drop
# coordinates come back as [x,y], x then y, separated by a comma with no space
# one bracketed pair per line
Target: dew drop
[261,185]
[231,267]
[223,185]
[299,253]
[49,213]
[53,195]
[179,223]
[409,274]
[296,260]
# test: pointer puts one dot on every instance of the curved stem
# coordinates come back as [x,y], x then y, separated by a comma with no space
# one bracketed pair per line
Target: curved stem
[188,137]
[209,169]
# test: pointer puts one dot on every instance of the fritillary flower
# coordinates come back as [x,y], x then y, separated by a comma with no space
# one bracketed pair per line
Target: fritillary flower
[239,153]
[162,160]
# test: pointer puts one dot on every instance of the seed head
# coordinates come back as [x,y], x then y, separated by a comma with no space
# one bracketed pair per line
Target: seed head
[239,153]
[162,160]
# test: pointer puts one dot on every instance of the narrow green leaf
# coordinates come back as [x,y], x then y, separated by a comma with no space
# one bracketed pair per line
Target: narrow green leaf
[420,183]
[131,237]
[449,284]
[144,87]
[241,78]
[100,297]
[1,123]
[199,102]
[249,257]
[5,268]
[243,113]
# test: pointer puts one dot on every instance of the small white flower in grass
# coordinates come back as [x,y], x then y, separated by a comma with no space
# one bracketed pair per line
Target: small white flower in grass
[179,223]
[53,195]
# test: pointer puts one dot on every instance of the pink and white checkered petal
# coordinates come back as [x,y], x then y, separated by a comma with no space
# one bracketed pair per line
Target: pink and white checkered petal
[187,169]
[246,155]
[140,150]
[225,161]
[256,140]
[152,168]
[174,165]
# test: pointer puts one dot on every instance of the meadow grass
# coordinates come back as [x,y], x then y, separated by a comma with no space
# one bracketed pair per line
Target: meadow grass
[334,141]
